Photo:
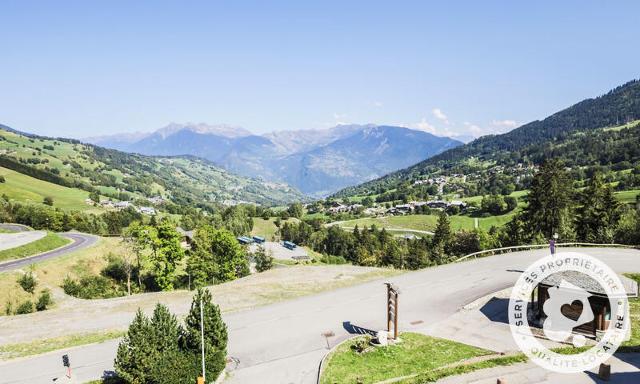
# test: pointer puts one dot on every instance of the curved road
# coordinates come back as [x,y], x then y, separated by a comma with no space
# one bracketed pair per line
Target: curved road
[284,342]
[78,241]
[15,227]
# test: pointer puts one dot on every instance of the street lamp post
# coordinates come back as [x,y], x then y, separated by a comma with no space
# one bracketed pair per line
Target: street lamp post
[204,374]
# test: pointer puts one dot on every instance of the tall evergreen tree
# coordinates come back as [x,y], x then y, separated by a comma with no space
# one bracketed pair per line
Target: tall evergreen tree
[442,235]
[551,202]
[598,214]
[215,333]
[136,352]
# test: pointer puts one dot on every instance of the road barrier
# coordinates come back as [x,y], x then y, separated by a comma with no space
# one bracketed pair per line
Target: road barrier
[533,246]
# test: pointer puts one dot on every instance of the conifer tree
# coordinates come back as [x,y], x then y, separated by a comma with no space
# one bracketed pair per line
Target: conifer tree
[136,353]
[598,213]
[551,202]
[215,333]
[442,235]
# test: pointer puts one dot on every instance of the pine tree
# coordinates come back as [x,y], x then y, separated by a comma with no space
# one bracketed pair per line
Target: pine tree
[442,235]
[136,352]
[166,331]
[551,202]
[598,213]
[215,333]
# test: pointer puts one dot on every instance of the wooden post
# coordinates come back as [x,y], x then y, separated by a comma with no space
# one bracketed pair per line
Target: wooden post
[200,380]
[604,372]
[392,309]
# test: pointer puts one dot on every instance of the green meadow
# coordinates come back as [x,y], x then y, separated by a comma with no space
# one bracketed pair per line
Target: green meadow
[28,189]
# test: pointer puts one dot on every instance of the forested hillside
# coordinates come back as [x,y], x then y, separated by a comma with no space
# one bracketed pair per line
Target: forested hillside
[124,176]
[600,133]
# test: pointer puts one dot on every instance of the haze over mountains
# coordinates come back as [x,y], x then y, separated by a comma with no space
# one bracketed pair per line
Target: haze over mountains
[317,162]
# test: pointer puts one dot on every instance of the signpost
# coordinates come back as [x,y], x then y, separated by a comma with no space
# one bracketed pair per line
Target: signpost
[392,309]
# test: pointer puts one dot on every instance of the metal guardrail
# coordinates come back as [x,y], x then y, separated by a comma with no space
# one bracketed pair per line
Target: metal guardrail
[531,246]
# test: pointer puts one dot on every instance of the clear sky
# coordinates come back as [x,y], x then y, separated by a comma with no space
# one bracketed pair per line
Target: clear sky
[85,68]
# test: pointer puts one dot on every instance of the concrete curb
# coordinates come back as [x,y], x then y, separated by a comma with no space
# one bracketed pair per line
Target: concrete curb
[324,358]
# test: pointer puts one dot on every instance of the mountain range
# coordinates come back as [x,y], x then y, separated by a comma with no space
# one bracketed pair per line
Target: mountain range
[115,174]
[316,162]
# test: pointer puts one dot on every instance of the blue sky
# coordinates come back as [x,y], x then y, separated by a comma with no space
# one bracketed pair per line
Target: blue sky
[87,68]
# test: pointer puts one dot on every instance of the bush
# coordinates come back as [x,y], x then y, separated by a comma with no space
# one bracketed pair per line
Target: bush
[362,344]
[2,179]
[91,287]
[263,260]
[329,259]
[24,308]
[48,200]
[44,300]
[8,308]
[28,282]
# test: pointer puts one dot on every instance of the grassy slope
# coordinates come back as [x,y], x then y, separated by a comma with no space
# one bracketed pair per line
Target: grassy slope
[192,177]
[47,243]
[267,228]
[416,353]
[28,189]
[428,222]
[51,273]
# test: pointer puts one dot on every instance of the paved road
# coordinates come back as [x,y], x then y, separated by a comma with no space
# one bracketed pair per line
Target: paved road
[14,227]
[79,241]
[283,343]
[17,239]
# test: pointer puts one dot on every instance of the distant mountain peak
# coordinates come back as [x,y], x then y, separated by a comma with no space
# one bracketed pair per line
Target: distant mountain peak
[224,130]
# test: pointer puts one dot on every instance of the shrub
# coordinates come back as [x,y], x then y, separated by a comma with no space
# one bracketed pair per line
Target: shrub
[24,308]
[8,308]
[2,179]
[263,260]
[28,282]
[330,259]
[361,345]
[44,300]
[91,287]
[48,200]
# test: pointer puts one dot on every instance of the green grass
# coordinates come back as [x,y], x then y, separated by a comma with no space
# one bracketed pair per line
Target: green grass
[415,354]
[429,222]
[267,228]
[627,196]
[47,243]
[13,351]
[28,189]
[633,344]
[621,127]
[435,375]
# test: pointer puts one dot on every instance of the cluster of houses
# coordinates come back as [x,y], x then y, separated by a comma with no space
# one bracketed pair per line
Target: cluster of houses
[399,209]
[410,207]
[120,205]
[342,208]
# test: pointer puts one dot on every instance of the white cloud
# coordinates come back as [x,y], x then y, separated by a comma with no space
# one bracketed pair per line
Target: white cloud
[377,104]
[506,124]
[437,112]
[473,129]
[423,125]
